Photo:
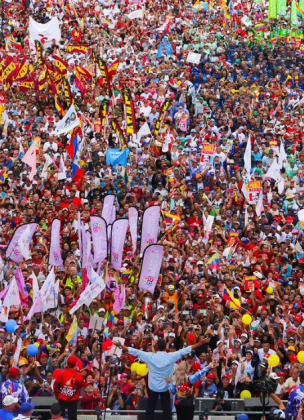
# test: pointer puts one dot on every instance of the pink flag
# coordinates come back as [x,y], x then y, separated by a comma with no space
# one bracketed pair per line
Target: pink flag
[150,268]
[107,209]
[36,307]
[55,251]
[99,238]
[30,159]
[133,222]
[21,284]
[113,215]
[84,279]
[79,234]
[260,207]
[4,292]
[118,236]
[86,249]
[150,227]
[109,232]
[119,296]
[13,250]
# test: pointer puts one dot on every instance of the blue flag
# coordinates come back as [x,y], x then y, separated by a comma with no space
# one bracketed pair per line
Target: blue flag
[160,51]
[116,157]
[168,47]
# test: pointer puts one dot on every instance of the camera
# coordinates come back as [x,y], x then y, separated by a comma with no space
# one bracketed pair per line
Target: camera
[267,386]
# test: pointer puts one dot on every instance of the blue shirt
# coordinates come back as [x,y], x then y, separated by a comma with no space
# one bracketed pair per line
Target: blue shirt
[6,415]
[160,365]
[15,389]
[295,400]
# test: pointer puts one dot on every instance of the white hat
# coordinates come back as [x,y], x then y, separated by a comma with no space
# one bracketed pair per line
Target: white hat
[273,375]
[9,399]
[200,263]
[171,334]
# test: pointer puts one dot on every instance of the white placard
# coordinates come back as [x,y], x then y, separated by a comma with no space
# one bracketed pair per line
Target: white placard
[194,58]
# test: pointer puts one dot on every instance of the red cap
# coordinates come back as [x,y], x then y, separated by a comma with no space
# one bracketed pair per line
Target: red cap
[298,318]
[72,360]
[13,371]
[211,375]
[120,322]
[43,355]
[226,377]
[266,355]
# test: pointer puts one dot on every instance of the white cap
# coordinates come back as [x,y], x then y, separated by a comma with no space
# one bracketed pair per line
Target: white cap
[273,375]
[171,334]
[9,399]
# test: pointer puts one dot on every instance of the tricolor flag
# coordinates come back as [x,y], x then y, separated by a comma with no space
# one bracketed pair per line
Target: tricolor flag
[3,176]
[228,296]
[77,172]
[72,330]
[58,105]
[214,262]
[170,218]
[260,27]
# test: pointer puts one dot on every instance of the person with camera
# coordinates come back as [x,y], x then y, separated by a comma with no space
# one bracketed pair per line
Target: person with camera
[220,404]
[117,398]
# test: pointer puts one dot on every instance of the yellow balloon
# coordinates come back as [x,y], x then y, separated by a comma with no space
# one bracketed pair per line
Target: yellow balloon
[233,306]
[134,367]
[36,344]
[142,370]
[273,360]
[246,319]
[301,357]
[245,394]
[269,290]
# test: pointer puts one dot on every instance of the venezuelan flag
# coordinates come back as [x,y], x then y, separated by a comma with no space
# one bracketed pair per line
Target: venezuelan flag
[300,12]
[214,262]
[3,176]
[227,17]
[227,295]
[58,105]
[259,27]
[273,40]
[302,53]
[170,218]
[72,330]
[125,274]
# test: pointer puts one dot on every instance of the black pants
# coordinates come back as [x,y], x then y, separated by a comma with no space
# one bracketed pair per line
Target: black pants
[71,407]
[184,413]
[152,400]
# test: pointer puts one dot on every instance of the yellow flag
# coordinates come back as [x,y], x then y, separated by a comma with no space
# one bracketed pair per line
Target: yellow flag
[72,330]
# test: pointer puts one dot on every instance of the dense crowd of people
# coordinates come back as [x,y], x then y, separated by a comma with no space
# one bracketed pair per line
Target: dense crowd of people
[197,108]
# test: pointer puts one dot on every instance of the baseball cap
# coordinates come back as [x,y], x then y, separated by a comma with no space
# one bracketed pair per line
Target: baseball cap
[273,375]
[9,399]
[291,348]
[211,375]
[242,417]
[26,407]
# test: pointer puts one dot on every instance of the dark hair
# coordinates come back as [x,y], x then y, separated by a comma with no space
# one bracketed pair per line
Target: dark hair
[161,344]
[55,409]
